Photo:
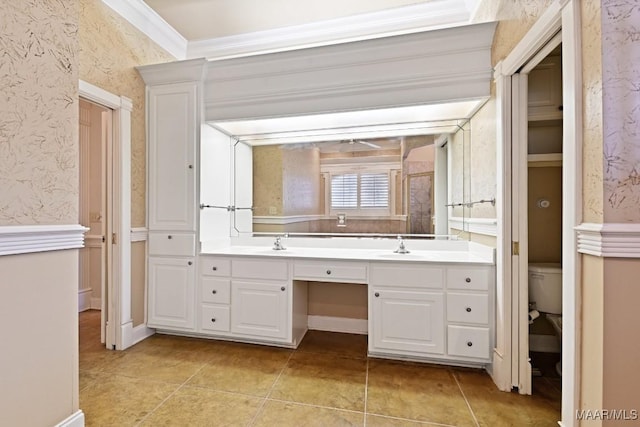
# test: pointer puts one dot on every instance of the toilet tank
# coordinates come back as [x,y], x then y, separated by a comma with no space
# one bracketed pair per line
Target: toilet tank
[545,287]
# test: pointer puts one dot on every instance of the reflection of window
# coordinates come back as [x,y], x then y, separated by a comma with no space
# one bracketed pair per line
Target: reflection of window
[360,191]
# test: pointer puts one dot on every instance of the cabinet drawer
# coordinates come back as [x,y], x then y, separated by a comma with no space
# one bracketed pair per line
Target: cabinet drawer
[468,342]
[216,291]
[214,266]
[468,308]
[215,318]
[172,244]
[405,274]
[476,279]
[331,271]
[268,269]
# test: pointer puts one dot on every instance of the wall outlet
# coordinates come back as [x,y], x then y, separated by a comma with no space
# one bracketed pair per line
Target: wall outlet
[272,210]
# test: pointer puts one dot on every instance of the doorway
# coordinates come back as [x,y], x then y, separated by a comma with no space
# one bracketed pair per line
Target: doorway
[95,209]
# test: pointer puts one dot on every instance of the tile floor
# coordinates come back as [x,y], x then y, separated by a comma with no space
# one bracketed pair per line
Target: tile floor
[328,381]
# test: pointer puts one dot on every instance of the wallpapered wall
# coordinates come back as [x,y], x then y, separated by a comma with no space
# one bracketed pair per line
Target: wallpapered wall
[110,49]
[38,112]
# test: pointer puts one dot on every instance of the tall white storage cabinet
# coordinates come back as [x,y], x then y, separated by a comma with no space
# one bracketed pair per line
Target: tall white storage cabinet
[173,132]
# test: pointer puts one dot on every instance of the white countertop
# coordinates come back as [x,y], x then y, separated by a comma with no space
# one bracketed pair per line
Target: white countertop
[458,253]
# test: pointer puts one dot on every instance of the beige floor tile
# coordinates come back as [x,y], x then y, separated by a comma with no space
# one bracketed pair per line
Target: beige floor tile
[97,358]
[249,370]
[416,392]
[495,408]
[380,421]
[113,400]
[323,380]
[347,345]
[171,366]
[285,414]
[194,406]
[88,377]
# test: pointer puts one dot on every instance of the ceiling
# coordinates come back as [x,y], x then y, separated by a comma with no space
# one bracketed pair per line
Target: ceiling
[209,19]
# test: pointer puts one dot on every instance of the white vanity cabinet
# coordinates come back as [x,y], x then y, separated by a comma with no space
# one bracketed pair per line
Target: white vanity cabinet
[441,312]
[172,205]
[406,309]
[171,293]
[250,299]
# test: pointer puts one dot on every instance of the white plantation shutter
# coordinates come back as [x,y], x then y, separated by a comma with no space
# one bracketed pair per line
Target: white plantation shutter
[374,190]
[344,191]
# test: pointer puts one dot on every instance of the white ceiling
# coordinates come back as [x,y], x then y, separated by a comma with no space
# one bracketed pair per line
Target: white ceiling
[209,19]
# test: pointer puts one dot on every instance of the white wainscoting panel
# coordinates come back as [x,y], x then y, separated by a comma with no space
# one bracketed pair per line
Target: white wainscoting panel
[21,239]
[338,324]
[612,240]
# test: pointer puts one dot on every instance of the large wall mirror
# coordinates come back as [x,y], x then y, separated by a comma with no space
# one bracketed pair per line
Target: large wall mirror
[300,176]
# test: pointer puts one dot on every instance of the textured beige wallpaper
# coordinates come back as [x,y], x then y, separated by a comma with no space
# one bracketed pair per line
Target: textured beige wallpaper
[110,49]
[592,169]
[39,112]
[301,180]
[620,109]
[267,180]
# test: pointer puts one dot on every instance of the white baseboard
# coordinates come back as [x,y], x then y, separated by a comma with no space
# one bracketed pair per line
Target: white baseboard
[500,373]
[140,333]
[96,303]
[544,343]
[84,299]
[75,420]
[338,324]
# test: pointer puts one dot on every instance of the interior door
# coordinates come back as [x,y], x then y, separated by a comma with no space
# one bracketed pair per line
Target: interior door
[521,371]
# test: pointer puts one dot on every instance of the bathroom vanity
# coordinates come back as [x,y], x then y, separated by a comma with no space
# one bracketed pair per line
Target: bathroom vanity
[434,303]
[205,279]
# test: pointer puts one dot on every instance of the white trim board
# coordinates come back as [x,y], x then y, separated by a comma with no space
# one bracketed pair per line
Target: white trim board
[145,19]
[401,20]
[84,299]
[139,234]
[486,226]
[75,420]
[22,239]
[612,240]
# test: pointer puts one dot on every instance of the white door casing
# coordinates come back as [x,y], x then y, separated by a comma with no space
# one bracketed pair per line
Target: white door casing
[119,329]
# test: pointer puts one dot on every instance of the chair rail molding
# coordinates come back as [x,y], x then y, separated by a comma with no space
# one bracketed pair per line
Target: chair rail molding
[21,239]
[610,240]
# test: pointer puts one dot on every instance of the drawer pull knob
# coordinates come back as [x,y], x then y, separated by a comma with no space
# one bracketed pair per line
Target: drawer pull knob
[468,309]
[189,263]
[190,166]
[468,280]
[328,271]
[469,343]
[377,294]
[214,291]
[169,237]
[283,289]
[215,268]
[213,320]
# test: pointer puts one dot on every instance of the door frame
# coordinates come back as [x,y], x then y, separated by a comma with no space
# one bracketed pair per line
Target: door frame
[119,332]
[561,15]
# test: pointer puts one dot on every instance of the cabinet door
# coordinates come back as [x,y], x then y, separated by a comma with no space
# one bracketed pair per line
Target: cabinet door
[172,166]
[407,321]
[171,300]
[545,90]
[260,309]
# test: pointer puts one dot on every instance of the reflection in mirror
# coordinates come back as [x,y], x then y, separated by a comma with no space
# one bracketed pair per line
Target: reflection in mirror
[353,186]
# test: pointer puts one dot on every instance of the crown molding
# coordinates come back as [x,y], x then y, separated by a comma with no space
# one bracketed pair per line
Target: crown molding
[21,239]
[145,19]
[402,20]
[611,240]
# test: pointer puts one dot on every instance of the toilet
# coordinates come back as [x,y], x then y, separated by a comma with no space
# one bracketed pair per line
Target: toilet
[545,291]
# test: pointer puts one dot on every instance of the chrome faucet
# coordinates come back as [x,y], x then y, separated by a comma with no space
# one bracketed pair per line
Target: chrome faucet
[277,244]
[401,249]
